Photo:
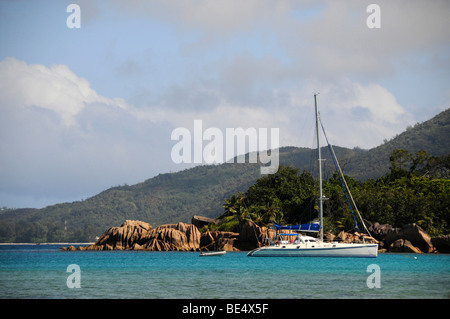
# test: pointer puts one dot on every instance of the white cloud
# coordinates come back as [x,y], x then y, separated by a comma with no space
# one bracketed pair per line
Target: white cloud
[54,88]
[355,114]
[210,17]
[333,40]
[381,104]
[60,139]
[360,115]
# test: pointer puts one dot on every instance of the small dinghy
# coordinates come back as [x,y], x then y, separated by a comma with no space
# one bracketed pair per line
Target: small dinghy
[212,253]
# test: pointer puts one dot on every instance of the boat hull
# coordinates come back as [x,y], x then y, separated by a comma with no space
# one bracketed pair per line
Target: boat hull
[213,253]
[337,250]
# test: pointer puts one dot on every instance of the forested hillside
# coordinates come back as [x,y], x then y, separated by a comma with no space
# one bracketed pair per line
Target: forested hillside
[432,136]
[175,197]
[407,194]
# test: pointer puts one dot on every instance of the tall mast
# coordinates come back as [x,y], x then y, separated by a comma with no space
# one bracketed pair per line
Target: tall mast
[320,168]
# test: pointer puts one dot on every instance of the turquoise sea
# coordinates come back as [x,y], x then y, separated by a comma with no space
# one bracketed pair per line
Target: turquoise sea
[41,271]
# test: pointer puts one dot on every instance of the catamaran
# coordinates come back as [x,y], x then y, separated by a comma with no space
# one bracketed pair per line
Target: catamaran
[308,246]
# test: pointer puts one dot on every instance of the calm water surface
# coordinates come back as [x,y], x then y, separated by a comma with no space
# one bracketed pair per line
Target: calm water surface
[40,271]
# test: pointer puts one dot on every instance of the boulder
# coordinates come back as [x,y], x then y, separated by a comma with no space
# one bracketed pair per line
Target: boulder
[218,240]
[252,236]
[249,237]
[136,246]
[413,234]
[369,239]
[159,245]
[201,221]
[93,247]
[350,238]
[206,240]
[138,235]
[441,243]
[247,232]
[344,237]
[403,246]
[380,231]
[387,235]
[226,244]
[125,236]
[329,236]
[177,237]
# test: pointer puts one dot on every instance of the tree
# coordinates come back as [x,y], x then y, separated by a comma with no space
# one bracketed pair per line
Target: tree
[282,197]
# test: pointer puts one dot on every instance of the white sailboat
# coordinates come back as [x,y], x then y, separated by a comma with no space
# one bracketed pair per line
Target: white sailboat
[308,246]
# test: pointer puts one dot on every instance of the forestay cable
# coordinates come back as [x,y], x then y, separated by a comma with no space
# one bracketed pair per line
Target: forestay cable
[343,181]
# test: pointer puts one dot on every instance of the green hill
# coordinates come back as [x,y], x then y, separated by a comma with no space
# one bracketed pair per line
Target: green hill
[432,136]
[175,197]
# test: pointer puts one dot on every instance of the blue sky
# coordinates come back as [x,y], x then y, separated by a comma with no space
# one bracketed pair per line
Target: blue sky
[86,109]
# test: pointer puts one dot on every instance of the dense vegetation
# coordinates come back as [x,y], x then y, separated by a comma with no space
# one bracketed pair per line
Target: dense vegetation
[413,177]
[409,193]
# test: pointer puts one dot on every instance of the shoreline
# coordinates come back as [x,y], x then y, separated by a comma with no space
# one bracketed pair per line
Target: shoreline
[42,244]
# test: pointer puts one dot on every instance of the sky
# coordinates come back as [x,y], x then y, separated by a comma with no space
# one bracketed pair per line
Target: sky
[86,108]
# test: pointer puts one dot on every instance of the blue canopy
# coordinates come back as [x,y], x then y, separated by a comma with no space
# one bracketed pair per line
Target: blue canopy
[314,227]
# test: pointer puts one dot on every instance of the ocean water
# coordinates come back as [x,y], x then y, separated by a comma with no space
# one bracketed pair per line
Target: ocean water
[41,271]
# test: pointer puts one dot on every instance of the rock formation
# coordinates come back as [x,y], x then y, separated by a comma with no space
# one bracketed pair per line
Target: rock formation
[173,237]
[139,235]
[379,232]
[218,240]
[201,221]
[252,236]
[248,237]
[441,243]
[412,233]
[345,237]
[403,246]
[125,236]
